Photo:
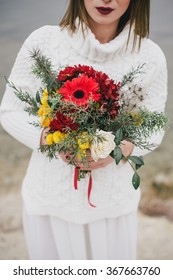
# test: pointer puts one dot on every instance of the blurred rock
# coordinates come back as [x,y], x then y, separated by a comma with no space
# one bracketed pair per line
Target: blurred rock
[158,200]
[163,184]
[10,212]
[154,238]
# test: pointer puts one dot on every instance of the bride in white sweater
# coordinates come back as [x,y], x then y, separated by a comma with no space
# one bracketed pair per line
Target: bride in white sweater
[58,222]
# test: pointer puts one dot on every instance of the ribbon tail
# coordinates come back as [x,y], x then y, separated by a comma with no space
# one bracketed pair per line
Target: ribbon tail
[89,190]
[76,173]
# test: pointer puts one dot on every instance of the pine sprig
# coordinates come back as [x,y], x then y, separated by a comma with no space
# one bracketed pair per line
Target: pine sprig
[42,68]
[24,96]
[132,74]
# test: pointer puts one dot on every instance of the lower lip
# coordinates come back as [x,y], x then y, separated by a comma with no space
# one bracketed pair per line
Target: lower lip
[104,12]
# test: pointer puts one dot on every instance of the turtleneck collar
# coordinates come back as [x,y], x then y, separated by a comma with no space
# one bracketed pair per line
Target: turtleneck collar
[88,46]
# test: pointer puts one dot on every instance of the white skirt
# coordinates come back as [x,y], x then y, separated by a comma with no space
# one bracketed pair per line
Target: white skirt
[50,238]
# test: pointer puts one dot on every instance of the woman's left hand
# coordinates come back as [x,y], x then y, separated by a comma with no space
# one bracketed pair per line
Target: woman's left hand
[126,148]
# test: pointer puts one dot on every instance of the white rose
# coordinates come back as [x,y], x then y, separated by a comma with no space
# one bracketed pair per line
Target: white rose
[102,148]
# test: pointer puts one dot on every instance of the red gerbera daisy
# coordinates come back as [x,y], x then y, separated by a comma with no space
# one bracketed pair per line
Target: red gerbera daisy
[80,90]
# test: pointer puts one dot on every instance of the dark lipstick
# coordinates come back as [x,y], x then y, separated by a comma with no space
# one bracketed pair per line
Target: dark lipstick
[104,10]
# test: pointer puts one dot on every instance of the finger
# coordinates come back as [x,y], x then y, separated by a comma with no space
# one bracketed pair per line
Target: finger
[85,168]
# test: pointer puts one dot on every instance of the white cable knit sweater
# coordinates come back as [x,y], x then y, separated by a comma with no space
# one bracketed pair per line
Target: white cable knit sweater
[48,186]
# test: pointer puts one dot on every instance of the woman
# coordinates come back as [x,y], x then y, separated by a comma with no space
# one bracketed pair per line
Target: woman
[58,222]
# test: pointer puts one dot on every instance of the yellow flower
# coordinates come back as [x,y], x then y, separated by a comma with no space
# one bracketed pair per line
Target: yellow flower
[83,142]
[58,136]
[41,111]
[44,97]
[45,121]
[45,92]
[83,145]
[84,133]
[81,154]
[49,139]
[138,120]
[44,110]
[44,100]
[139,123]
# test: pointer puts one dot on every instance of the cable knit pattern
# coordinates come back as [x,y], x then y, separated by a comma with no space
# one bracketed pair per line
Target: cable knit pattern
[48,186]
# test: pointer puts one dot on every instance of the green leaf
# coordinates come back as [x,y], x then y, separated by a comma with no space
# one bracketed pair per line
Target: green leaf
[118,136]
[117,154]
[97,105]
[112,154]
[137,166]
[38,97]
[51,82]
[137,160]
[136,180]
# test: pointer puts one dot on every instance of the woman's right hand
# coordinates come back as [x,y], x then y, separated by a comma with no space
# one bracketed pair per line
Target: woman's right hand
[43,136]
[91,163]
[65,157]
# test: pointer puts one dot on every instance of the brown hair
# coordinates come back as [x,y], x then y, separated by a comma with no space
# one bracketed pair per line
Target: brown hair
[138,13]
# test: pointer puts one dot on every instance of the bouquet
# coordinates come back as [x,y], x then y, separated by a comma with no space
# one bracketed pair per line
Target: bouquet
[84,112]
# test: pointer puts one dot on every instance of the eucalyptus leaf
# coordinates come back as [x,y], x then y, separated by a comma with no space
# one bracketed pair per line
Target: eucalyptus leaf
[137,166]
[118,136]
[117,154]
[112,154]
[136,180]
[137,160]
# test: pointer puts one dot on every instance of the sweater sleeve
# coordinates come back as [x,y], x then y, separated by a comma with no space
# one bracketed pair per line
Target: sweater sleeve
[13,118]
[155,83]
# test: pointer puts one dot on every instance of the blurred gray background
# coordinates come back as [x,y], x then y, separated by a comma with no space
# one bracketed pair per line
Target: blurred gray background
[18,18]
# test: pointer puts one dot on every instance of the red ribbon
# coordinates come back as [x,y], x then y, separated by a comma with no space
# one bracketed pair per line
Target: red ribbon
[89,190]
[76,174]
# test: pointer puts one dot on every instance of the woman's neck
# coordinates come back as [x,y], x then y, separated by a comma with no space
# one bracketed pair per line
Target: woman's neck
[104,33]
